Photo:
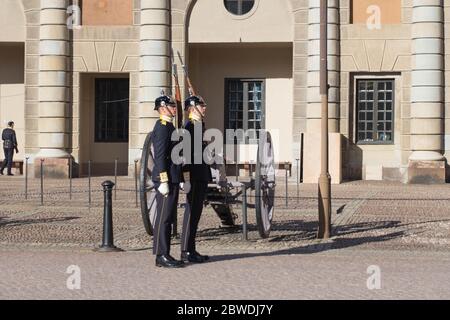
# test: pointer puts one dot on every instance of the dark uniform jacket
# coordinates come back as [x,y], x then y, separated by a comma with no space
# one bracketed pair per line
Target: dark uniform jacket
[200,171]
[162,148]
[9,139]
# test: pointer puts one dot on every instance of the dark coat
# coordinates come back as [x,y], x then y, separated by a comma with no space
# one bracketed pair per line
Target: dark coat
[9,139]
[198,171]
[162,148]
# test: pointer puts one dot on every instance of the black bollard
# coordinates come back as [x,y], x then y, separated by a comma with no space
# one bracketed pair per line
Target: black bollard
[108,237]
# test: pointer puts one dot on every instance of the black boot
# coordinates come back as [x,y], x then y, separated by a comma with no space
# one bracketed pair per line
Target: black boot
[193,257]
[168,261]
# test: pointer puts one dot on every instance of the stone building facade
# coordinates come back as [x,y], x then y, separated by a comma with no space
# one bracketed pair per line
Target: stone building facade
[87,92]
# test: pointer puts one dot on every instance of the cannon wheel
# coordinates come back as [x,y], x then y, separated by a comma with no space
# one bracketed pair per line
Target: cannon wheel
[146,187]
[264,184]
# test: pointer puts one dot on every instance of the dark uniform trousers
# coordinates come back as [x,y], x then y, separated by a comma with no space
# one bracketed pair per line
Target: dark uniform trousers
[200,175]
[7,163]
[166,207]
[192,213]
[166,212]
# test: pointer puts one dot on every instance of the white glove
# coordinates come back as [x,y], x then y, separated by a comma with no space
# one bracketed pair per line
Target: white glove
[164,189]
[185,186]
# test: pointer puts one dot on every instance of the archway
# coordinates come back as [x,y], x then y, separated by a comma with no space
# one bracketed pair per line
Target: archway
[12,68]
[243,67]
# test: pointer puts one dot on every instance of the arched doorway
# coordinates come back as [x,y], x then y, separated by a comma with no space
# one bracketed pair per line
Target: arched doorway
[240,57]
[12,66]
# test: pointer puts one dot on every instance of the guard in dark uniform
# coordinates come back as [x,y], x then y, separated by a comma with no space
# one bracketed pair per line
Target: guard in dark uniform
[196,174]
[166,176]
[9,145]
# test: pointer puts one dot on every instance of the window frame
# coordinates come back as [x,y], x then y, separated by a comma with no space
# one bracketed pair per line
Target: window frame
[245,106]
[375,110]
[96,112]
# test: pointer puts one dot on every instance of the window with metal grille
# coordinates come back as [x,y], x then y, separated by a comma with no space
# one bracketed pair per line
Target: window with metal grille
[111,110]
[244,105]
[239,7]
[375,111]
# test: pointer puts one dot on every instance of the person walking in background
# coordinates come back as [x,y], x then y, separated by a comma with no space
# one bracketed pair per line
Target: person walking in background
[9,145]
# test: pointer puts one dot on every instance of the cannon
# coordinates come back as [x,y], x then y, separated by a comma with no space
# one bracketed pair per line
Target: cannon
[222,193]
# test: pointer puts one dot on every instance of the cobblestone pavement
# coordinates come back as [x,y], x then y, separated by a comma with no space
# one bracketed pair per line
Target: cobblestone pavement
[279,274]
[405,227]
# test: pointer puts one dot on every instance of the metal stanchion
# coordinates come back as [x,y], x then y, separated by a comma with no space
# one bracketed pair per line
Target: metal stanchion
[26,178]
[70,177]
[244,213]
[286,167]
[298,178]
[237,170]
[42,182]
[115,178]
[135,181]
[108,236]
[89,181]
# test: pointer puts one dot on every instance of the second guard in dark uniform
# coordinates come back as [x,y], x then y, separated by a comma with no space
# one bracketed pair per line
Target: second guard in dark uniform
[166,176]
[197,175]
[9,145]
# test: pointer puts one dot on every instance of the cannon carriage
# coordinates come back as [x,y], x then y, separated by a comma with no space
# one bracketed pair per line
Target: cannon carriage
[222,193]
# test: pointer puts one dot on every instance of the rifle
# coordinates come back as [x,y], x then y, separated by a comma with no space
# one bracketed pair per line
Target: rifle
[179,117]
[188,80]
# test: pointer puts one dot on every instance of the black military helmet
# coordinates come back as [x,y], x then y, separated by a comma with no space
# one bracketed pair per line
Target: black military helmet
[164,100]
[193,101]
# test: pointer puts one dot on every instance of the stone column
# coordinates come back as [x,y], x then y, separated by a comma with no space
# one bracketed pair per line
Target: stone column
[426,163]
[155,60]
[53,100]
[313,111]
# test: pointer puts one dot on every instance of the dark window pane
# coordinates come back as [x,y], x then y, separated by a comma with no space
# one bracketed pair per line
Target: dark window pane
[361,126]
[361,136]
[370,95]
[381,85]
[389,96]
[388,105]
[380,115]
[369,126]
[388,126]
[380,126]
[362,96]
[247,6]
[388,116]
[232,6]
[369,116]
[111,110]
